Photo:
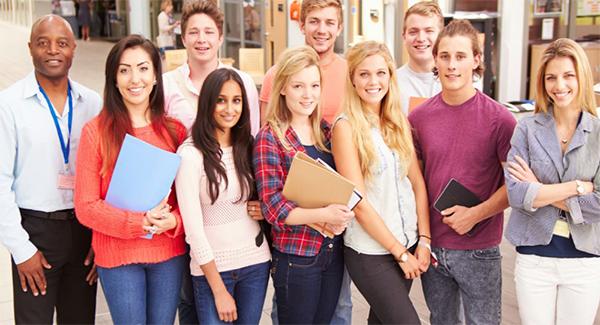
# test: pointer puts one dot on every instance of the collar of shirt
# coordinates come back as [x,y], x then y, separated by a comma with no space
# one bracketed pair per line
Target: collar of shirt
[585,122]
[184,69]
[292,138]
[31,88]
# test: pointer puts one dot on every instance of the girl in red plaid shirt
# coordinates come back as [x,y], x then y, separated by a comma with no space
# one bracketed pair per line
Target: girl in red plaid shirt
[307,267]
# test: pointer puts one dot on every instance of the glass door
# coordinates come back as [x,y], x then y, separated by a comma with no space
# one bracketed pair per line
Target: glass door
[242,27]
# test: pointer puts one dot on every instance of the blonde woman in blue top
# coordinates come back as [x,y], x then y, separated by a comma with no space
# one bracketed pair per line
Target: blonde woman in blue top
[553,182]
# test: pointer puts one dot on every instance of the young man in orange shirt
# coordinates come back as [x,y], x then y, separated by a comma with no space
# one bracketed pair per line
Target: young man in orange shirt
[321,24]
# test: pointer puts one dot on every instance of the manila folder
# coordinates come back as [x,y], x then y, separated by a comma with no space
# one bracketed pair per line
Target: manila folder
[311,185]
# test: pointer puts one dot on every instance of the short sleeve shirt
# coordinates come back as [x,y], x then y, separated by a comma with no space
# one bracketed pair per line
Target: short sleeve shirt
[467,142]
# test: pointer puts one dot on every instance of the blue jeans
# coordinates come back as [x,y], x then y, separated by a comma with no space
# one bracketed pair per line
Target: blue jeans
[343,311]
[143,293]
[308,288]
[474,276]
[247,286]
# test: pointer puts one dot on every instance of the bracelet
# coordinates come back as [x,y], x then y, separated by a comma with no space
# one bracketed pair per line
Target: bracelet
[425,236]
[426,245]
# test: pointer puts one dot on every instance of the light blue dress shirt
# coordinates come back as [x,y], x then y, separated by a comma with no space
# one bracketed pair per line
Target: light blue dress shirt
[31,156]
[535,141]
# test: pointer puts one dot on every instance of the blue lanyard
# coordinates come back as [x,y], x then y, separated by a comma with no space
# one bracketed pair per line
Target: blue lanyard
[65,148]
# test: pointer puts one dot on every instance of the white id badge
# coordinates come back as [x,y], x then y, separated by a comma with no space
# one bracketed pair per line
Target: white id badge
[561,228]
[66,182]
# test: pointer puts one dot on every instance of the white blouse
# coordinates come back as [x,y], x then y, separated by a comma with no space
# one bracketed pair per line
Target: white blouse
[392,196]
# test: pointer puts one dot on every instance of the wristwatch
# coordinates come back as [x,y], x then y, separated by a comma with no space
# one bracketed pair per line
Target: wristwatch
[580,188]
[403,257]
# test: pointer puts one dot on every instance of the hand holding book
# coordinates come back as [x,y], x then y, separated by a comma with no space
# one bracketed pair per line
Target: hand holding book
[461,219]
[458,206]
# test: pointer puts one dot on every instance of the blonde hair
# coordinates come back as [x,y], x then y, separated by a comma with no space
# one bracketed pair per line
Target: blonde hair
[165,3]
[391,122]
[310,5]
[427,9]
[564,47]
[279,116]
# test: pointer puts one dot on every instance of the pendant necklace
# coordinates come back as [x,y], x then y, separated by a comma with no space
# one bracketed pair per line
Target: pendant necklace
[563,140]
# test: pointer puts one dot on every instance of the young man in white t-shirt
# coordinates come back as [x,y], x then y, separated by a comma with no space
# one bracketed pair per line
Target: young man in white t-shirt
[422,23]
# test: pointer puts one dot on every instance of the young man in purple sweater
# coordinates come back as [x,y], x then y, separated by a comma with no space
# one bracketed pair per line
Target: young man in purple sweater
[464,135]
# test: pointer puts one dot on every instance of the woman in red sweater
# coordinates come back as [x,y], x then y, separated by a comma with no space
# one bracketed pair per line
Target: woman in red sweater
[140,277]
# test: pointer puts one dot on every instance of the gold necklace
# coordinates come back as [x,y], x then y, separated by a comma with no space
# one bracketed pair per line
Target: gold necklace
[563,140]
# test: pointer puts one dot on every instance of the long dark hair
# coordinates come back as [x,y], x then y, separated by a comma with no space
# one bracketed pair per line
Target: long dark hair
[114,118]
[205,140]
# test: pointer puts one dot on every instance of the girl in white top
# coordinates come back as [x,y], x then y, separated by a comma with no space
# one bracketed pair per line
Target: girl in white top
[372,146]
[229,254]
[166,27]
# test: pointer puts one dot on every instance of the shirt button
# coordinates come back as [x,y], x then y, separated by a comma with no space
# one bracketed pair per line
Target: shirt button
[330,245]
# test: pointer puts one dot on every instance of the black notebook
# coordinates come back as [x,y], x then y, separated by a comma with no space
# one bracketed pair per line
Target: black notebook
[456,194]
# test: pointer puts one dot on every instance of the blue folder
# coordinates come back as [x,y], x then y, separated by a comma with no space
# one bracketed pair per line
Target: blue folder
[142,177]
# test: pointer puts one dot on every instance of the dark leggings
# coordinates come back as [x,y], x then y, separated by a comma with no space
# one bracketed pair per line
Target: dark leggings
[381,281]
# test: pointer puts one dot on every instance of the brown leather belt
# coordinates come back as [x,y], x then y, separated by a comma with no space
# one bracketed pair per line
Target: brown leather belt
[56,215]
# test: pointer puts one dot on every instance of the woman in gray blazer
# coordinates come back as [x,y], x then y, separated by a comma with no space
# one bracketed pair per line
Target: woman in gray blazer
[553,182]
